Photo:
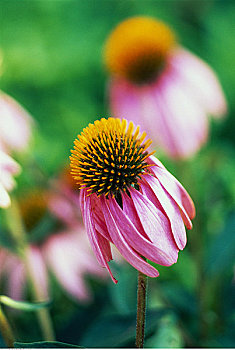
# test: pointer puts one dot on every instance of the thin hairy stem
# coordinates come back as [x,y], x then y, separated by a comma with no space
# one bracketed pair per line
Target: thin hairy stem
[141,309]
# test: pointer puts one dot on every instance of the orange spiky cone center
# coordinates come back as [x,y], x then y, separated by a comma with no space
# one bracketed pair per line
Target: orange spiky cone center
[109,156]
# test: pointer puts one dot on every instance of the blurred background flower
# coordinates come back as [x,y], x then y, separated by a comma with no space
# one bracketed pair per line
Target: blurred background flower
[55,246]
[15,125]
[166,89]
[53,65]
[8,168]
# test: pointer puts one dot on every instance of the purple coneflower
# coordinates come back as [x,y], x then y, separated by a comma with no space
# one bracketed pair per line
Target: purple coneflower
[161,86]
[128,198]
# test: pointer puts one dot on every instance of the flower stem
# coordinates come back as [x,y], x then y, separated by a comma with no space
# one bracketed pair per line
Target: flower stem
[141,309]
[18,233]
[6,330]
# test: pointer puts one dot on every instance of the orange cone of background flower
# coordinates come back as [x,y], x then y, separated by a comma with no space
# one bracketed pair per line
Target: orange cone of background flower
[161,86]
[128,198]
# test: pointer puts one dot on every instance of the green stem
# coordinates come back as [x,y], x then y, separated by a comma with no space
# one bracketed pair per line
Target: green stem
[141,309]
[19,235]
[6,330]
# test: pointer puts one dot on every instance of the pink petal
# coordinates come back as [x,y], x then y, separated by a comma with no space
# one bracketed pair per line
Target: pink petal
[15,124]
[125,100]
[7,164]
[155,224]
[135,239]
[62,257]
[100,245]
[62,208]
[4,197]
[130,212]
[170,208]
[125,249]
[99,218]
[16,276]
[184,122]
[38,271]
[201,80]
[177,192]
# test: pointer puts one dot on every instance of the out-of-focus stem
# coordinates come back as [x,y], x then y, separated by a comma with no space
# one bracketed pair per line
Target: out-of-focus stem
[6,330]
[19,235]
[141,309]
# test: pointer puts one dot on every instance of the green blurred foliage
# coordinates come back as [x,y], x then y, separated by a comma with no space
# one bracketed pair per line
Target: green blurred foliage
[52,65]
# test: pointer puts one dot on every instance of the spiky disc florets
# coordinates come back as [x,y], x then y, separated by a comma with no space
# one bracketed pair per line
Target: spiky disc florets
[109,157]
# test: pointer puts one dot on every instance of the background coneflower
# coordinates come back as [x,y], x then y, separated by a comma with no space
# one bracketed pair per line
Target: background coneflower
[161,86]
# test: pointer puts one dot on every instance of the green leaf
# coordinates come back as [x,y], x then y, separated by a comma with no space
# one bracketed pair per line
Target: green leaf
[23,305]
[119,330]
[44,344]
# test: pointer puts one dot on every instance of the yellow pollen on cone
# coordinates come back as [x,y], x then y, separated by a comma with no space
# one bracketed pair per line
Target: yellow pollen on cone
[109,156]
[137,48]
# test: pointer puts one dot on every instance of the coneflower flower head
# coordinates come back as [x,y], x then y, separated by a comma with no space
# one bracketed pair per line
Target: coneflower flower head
[109,157]
[137,49]
[128,198]
[161,86]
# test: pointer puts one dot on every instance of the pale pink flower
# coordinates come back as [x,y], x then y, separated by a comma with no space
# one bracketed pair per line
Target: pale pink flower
[15,125]
[128,198]
[14,273]
[66,253]
[69,257]
[8,168]
[163,87]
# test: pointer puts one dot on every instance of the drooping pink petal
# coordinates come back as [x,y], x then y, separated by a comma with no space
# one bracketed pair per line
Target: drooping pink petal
[8,163]
[70,258]
[170,207]
[99,218]
[139,104]
[134,238]
[201,80]
[125,100]
[62,256]
[62,208]
[38,271]
[155,224]
[4,197]
[130,212]
[15,124]
[125,249]
[178,193]
[184,122]
[100,245]
[16,277]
